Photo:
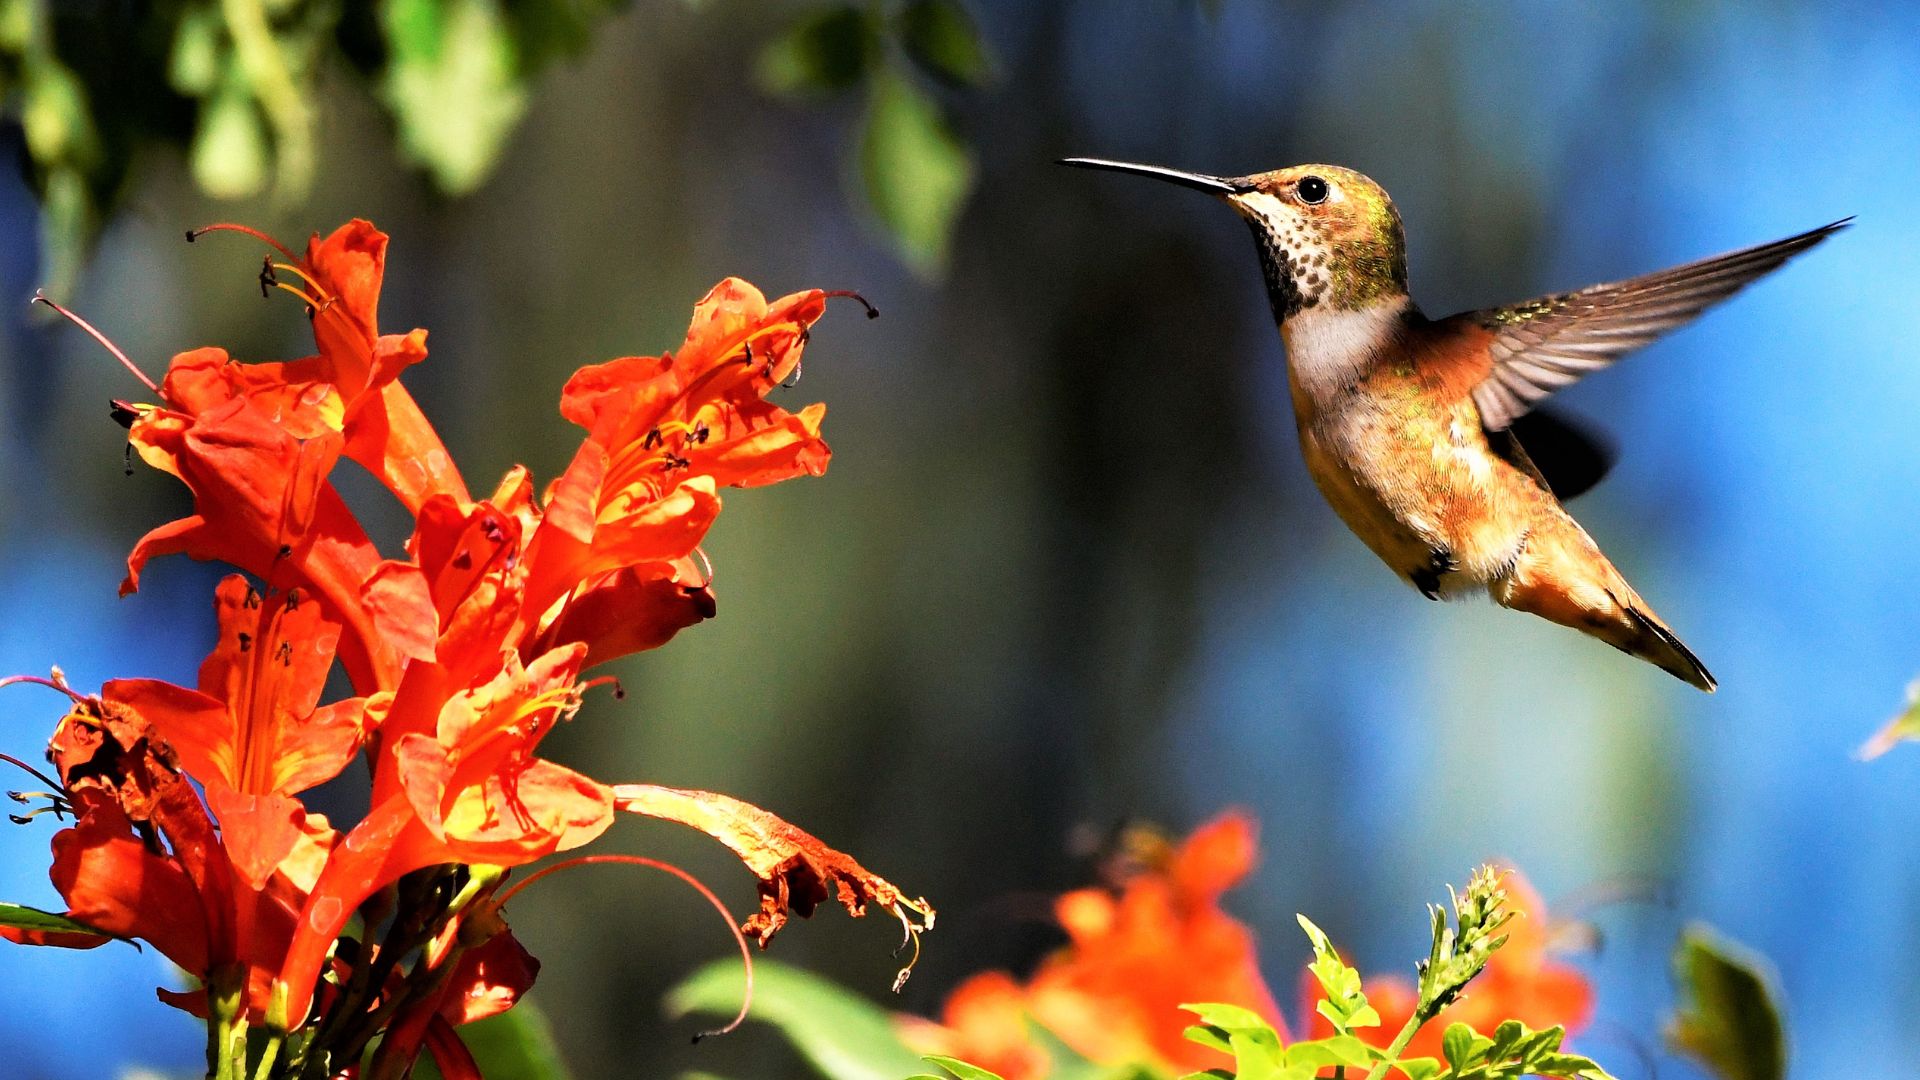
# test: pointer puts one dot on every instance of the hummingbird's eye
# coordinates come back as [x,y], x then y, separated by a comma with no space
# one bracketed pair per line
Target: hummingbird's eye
[1311,189]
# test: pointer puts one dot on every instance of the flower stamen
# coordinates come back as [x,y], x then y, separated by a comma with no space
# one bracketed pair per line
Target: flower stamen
[746,953]
[41,298]
[248,230]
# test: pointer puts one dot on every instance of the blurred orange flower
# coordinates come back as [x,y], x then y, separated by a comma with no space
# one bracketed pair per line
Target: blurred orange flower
[1136,954]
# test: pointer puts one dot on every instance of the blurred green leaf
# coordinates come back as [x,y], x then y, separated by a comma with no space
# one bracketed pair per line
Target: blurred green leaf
[1729,1016]
[454,84]
[516,1045]
[231,158]
[21,917]
[940,37]
[963,1070]
[844,1036]
[917,172]
[832,49]
[193,68]
[1902,728]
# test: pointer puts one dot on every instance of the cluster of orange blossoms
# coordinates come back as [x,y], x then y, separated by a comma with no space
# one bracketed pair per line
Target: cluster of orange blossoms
[1138,952]
[188,831]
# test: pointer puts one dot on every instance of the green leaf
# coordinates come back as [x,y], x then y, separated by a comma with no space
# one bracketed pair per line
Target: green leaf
[917,172]
[1337,1050]
[516,1045]
[1420,1068]
[454,84]
[231,158]
[828,50]
[1345,1004]
[193,68]
[844,1036]
[940,37]
[963,1070]
[20,917]
[1729,1014]
[1457,1045]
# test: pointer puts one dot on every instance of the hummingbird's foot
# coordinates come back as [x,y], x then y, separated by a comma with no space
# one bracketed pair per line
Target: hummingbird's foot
[1440,562]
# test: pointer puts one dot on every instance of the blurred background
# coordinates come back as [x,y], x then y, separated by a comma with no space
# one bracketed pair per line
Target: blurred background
[1067,570]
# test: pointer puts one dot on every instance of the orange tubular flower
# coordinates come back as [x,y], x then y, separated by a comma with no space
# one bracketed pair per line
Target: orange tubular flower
[464,653]
[351,386]
[1522,982]
[1115,993]
[1136,954]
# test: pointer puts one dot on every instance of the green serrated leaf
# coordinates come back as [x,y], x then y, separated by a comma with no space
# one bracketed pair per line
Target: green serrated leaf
[1729,1017]
[21,917]
[454,85]
[941,38]
[828,50]
[917,172]
[844,1036]
[516,1045]
[963,1070]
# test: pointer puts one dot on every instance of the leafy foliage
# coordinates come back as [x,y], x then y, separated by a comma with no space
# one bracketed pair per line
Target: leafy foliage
[914,169]
[1461,951]
[1729,1016]
[840,1033]
[234,83]
[1345,1005]
[20,917]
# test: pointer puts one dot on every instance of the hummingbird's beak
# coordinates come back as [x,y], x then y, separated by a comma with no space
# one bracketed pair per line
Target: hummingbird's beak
[1216,185]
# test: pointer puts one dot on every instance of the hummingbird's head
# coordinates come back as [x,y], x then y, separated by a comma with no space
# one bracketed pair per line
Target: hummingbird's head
[1329,238]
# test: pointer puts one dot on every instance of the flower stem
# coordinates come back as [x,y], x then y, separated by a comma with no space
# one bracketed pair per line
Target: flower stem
[1414,1023]
[269,1055]
[226,1027]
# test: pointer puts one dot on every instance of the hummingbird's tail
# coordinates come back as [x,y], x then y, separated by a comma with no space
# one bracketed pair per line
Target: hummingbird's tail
[1560,575]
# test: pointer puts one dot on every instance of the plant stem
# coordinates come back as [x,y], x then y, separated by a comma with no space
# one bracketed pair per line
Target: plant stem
[1400,1041]
[226,1029]
[269,1055]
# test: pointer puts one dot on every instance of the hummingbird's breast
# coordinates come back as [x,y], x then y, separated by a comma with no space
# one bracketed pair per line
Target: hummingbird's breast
[1401,456]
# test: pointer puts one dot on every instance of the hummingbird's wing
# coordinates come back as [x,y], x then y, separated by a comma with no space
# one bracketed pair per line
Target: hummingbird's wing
[1544,344]
[1565,454]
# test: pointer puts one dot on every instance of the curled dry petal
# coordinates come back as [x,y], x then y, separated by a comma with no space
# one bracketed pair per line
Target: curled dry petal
[796,871]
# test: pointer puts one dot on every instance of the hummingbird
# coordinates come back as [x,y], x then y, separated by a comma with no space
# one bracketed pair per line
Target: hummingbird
[1427,436]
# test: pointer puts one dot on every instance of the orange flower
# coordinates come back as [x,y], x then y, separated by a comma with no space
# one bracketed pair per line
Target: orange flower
[1136,954]
[1522,982]
[351,386]
[984,1022]
[1114,994]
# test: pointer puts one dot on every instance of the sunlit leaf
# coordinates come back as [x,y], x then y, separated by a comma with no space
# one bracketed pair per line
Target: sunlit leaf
[1729,1015]
[21,917]
[832,49]
[940,37]
[844,1036]
[916,171]
[453,82]
[962,1070]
